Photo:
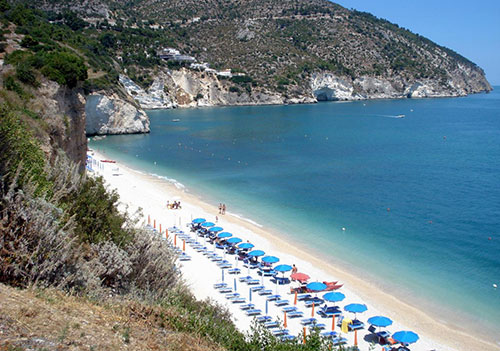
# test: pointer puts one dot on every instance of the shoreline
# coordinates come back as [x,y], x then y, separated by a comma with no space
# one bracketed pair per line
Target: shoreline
[434,334]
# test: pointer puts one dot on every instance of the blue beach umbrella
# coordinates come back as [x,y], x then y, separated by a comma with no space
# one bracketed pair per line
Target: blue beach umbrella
[316,286]
[256,253]
[233,240]
[215,229]
[198,220]
[207,224]
[270,259]
[355,308]
[380,321]
[334,296]
[406,337]
[224,235]
[283,268]
[245,246]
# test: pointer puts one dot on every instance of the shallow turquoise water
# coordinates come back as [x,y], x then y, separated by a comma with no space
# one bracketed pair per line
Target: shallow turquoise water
[309,170]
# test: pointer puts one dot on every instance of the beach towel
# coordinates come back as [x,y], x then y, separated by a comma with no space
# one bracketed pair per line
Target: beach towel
[345,325]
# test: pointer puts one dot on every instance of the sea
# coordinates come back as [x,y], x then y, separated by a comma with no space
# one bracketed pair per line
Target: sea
[404,193]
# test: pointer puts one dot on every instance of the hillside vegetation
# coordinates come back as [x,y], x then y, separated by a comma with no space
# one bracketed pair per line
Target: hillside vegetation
[278,44]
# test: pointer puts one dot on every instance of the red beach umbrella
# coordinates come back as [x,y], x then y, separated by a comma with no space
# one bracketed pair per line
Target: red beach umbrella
[301,277]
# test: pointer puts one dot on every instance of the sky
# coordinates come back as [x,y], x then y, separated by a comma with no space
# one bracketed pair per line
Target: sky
[471,28]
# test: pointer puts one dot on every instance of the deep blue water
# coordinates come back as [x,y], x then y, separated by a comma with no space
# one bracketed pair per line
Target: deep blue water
[309,170]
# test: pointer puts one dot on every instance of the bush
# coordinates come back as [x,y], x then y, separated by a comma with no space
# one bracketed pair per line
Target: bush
[26,75]
[234,89]
[64,68]
[10,83]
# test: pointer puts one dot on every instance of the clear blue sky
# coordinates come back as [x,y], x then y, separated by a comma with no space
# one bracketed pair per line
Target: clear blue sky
[471,28]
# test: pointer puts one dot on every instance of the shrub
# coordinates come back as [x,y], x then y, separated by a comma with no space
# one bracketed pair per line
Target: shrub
[10,83]
[234,89]
[64,68]
[25,74]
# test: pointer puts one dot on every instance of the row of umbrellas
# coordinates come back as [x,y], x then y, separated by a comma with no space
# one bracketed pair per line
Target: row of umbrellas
[404,336]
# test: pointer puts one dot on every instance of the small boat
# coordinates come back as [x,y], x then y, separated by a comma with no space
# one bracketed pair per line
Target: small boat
[176,120]
[108,161]
[400,116]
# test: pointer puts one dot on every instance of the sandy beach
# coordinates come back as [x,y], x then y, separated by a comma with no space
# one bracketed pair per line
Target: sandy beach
[150,193]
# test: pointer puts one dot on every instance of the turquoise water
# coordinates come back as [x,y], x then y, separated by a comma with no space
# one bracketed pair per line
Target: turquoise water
[309,170]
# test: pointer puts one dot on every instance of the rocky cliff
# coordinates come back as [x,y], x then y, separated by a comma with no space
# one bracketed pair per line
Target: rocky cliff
[107,113]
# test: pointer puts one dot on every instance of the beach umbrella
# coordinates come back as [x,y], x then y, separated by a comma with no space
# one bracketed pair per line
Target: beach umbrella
[207,224]
[198,220]
[215,229]
[334,296]
[380,321]
[316,286]
[224,235]
[256,253]
[282,268]
[406,337]
[270,259]
[245,246]
[233,240]
[355,308]
[301,277]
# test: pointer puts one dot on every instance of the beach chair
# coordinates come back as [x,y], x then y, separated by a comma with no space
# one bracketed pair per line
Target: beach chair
[307,321]
[247,306]
[238,300]
[273,297]
[287,337]
[330,334]
[232,296]
[279,332]
[339,341]
[356,324]
[225,265]
[220,285]
[257,288]
[295,314]
[253,312]
[328,312]
[303,297]
[234,271]
[315,300]
[265,292]
[289,309]
[317,326]
[184,257]
[253,281]
[271,324]
[215,258]
[279,303]
[263,319]
[244,279]
[225,290]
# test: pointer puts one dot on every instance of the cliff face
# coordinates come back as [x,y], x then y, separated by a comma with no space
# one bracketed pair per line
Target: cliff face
[107,113]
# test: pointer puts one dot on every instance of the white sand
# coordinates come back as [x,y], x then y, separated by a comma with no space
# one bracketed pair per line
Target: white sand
[139,190]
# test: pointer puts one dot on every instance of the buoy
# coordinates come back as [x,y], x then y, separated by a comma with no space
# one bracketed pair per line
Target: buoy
[343,228]
[495,286]
[489,238]
[388,209]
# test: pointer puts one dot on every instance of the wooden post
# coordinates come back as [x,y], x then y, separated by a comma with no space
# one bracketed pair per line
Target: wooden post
[284,324]
[154,223]
[183,245]
[312,311]
[295,300]
[149,220]
[333,323]
[304,335]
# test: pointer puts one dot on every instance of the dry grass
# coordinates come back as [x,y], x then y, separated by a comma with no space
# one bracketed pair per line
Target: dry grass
[49,320]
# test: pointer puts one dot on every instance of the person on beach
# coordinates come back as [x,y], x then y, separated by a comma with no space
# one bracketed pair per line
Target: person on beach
[223,209]
[294,270]
[220,207]
[168,204]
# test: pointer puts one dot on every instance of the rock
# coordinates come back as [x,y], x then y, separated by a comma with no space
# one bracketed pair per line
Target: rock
[108,114]
[154,98]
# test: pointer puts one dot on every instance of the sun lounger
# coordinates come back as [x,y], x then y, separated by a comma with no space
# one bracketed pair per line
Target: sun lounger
[315,300]
[253,312]
[356,325]
[232,295]
[184,257]
[247,306]
[289,309]
[295,314]
[238,300]
[234,271]
[263,319]
[279,332]
[253,281]
[215,258]
[225,265]
[329,334]
[244,279]
[287,337]
[265,292]
[318,326]
[307,321]
[280,303]
[339,341]
[303,297]
[271,324]
[273,297]
[225,290]
[220,285]
[257,288]
[328,312]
